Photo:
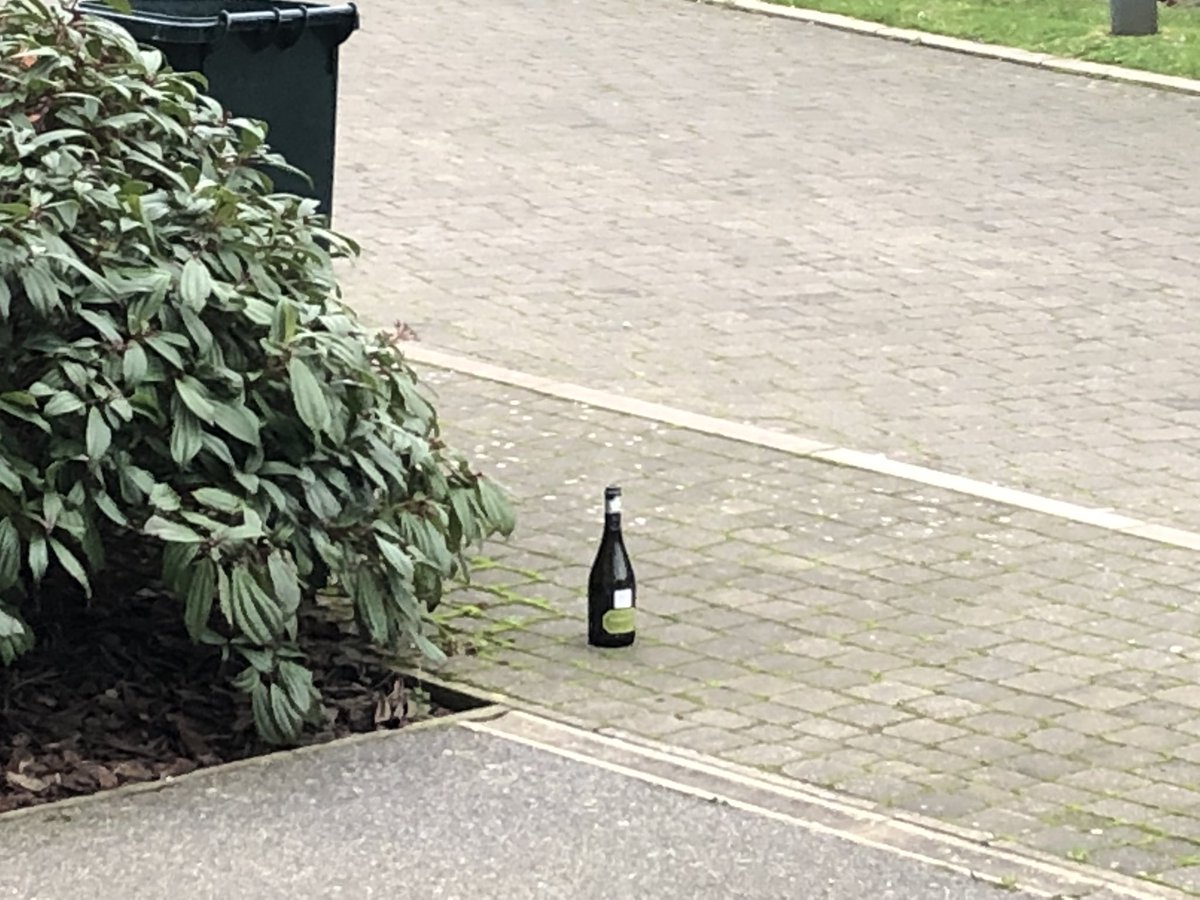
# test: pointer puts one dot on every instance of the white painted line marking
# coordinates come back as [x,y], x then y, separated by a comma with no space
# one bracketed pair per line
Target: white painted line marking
[1104,519]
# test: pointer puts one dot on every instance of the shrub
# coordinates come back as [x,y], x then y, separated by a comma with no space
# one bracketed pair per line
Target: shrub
[181,386]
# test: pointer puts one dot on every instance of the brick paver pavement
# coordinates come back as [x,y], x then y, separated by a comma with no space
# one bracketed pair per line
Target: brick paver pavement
[997,669]
[969,264]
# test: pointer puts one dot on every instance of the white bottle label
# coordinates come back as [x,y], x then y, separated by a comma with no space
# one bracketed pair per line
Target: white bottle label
[613,505]
[623,599]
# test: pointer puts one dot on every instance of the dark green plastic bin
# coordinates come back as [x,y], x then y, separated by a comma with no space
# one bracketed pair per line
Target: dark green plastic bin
[275,61]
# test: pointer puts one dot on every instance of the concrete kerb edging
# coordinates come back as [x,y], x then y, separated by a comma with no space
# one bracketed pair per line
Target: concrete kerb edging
[60,808]
[896,830]
[899,831]
[877,463]
[970,48]
[818,810]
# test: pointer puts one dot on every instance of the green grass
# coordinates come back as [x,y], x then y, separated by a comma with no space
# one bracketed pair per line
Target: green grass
[1074,28]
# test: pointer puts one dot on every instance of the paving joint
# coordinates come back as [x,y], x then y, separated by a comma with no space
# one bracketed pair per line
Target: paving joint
[999,52]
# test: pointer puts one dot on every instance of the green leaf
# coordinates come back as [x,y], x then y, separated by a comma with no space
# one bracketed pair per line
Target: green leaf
[426,646]
[218,448]
[264,720]
[262,661]
[15,636]
[298,682]
[225,594]
[164,498]
[171,532]
[195,283]
[464,512]
[62,403]
[247,679]
[208,523]
[134,364]
[425,536]
[17,412]
[40,289]
[195,397]
[255,614]
[215,498]
[68,561]
[20,398]
[251,528]
[368,598]
[50,137]
[198,601]
[395,558]
[9,479]
[103,323]
[321,500]
[163,347]
[105,504]
[52,507]
[10,625]
[308,396]
[10,554]
[186,438]
[496,507]
[283,328]
[176,562]
[39,556]
[5,299]
[285,581]
[201,334]
[99,435]
[237,420]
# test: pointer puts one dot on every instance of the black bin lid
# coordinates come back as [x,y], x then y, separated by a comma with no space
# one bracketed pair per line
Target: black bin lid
[207,21]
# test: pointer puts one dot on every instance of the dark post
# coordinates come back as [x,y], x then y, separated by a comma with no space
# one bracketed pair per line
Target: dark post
[1133,17]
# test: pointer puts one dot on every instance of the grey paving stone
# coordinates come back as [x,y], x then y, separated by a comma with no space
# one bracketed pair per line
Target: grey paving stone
[764,755]
[720,718]
[1150,737]
[1044,765]
[1061,741]
[869,715]
[888,692]
[943,804]
[983,748]
[925,732]
[711,672]
[1099,697]
[709,739]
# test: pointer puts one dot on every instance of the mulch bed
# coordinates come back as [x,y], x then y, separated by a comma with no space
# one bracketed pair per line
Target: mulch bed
[121,695]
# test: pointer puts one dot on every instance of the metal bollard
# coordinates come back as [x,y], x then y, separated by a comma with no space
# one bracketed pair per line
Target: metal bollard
[1133,17]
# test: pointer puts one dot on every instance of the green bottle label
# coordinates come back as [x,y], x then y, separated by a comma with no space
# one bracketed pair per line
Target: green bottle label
[618,621]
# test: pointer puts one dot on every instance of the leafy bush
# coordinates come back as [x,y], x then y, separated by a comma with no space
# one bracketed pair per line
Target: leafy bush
[181,385]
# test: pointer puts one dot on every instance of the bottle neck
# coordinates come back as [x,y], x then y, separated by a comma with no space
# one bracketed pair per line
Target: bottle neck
[612,513]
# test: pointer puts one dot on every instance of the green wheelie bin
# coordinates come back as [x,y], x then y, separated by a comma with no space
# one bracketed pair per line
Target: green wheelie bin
[274,60]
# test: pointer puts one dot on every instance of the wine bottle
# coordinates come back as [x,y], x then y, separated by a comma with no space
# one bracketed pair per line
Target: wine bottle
[612,591]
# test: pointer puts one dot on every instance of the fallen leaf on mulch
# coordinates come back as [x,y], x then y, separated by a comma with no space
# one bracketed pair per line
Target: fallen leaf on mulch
[26,782]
